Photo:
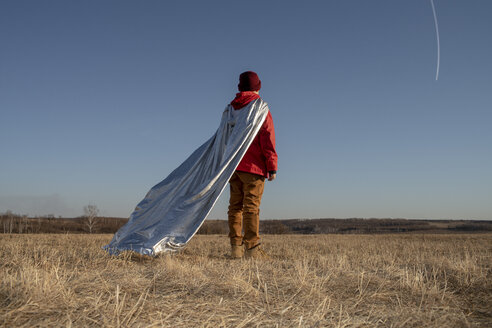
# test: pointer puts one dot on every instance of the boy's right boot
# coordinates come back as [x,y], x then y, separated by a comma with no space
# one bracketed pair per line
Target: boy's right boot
[256,252]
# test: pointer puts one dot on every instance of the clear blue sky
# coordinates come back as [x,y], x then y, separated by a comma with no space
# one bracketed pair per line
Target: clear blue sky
[100,100]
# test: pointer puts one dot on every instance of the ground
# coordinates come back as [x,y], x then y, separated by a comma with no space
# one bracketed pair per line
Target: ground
[309,281]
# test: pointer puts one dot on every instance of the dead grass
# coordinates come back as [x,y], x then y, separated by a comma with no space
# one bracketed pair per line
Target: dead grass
[311,281]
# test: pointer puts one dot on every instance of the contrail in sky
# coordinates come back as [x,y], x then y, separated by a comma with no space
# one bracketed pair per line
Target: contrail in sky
[437,36]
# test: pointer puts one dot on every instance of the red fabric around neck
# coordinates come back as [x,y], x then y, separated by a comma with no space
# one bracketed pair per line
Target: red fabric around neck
[243,98]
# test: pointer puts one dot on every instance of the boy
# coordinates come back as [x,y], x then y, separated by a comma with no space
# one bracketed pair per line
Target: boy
[247,182]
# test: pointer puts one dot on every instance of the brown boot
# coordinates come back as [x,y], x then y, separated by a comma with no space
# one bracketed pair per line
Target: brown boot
[256,252]
[237,251]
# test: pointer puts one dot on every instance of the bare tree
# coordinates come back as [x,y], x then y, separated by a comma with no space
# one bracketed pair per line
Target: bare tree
[10,217]
[20,225]
[90,218]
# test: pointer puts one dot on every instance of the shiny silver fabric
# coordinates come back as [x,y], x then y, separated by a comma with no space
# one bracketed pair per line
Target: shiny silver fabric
[173,210]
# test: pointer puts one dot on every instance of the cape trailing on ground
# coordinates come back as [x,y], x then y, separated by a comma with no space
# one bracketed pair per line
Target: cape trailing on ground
[173,210]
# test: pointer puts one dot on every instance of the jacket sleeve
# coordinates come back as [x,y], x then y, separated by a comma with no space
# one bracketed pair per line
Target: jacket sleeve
[267,143]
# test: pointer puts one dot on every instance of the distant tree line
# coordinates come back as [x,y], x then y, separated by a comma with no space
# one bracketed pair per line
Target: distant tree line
[14,223]
[354,226]
[91,223]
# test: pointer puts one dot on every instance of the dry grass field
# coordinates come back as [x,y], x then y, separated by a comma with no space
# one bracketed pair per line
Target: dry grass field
[310,281]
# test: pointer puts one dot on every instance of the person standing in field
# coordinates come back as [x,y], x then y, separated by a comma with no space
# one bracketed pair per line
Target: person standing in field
[247,182]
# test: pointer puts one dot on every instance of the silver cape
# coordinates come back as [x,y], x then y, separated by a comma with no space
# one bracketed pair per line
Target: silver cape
[174,209]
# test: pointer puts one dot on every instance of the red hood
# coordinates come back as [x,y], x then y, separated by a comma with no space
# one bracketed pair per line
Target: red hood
[243,98]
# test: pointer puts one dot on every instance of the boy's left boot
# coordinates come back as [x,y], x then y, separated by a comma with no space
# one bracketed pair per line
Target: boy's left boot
[237,252]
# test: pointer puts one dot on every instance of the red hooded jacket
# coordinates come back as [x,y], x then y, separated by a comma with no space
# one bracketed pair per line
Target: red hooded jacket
[261,157]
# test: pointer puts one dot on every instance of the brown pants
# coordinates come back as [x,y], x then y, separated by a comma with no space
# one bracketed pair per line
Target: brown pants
[244,208]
